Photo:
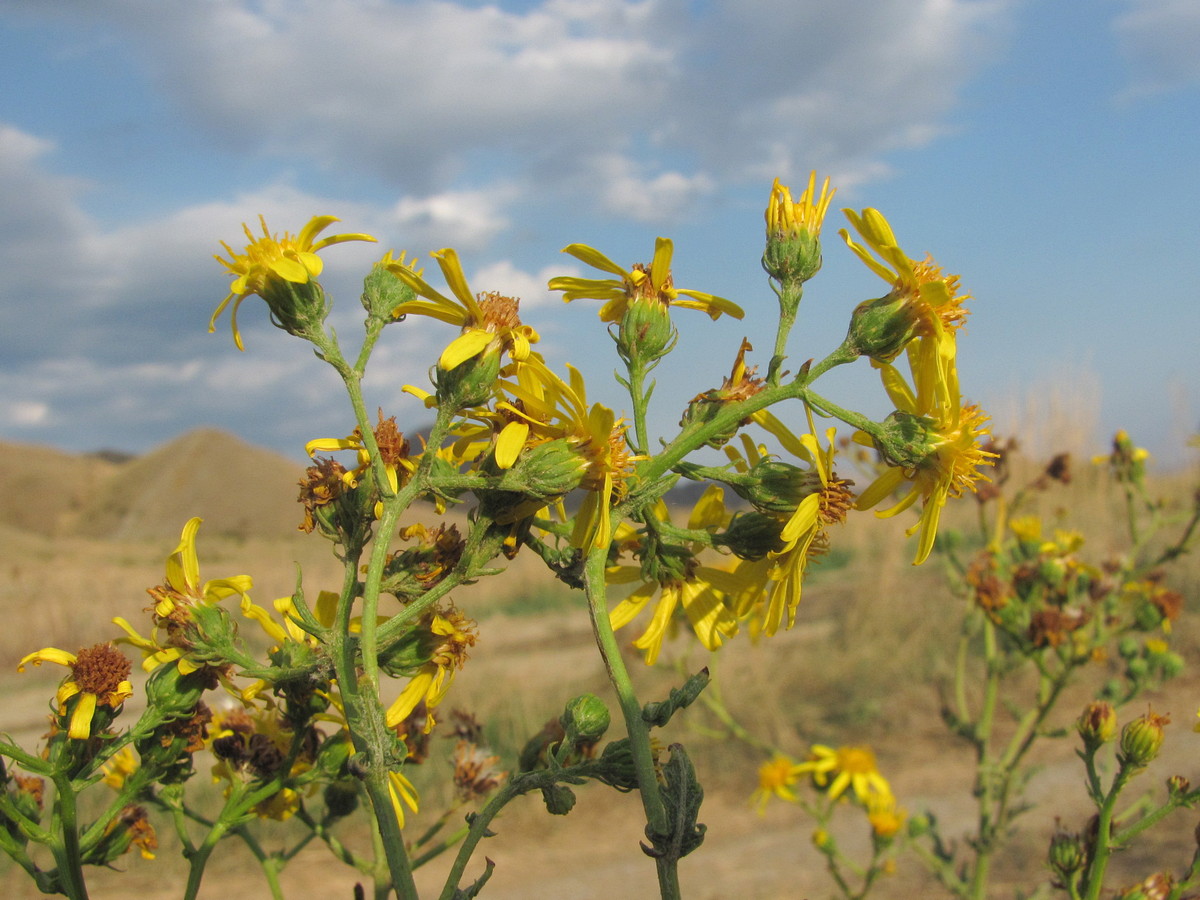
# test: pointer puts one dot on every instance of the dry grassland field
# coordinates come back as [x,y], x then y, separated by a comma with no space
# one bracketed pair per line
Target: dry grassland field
[83,537]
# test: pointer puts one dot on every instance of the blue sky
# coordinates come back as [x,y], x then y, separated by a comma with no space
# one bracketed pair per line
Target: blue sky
[1045,151]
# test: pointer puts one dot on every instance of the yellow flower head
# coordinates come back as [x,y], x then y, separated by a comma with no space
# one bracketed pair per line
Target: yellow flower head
[546,408]
[955,450]
[701,591]
[933,297]
[398,464]
[99,677]
[457,635]
[489,321]
[270,261]
[792,218]
[775,779]
[174,599]
[846,768]
[639,284]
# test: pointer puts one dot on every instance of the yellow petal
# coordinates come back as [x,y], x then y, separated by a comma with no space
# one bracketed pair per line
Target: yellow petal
[47,654]
[510,442]
[468,344]
[81,719]
[594,258]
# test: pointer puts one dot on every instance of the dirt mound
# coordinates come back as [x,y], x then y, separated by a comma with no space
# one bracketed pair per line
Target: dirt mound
[44,490]
[238,489]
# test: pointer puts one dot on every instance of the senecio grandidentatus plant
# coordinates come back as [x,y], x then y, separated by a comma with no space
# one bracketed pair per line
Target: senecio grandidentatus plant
[1039,615]
[330,720]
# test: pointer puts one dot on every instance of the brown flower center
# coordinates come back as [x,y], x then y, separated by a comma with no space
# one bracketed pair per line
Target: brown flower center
[500,313]
[100,669]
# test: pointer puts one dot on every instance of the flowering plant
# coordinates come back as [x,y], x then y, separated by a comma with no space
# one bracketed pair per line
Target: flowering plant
[315,733]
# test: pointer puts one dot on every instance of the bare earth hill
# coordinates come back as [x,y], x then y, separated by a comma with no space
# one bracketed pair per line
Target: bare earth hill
[238,489]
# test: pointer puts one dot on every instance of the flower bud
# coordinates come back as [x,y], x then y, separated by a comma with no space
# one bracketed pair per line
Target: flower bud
[1067,854]
[545,471]
[1142,739]
[882,327]
[753,535]
[773,486]
[645,333]
[469,383]
[297,308]
[341,798]
[905,439]
[1097,725]
[585,720]
[793,251]
[383,291]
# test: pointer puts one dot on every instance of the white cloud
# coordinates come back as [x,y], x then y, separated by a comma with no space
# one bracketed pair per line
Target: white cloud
[666,197]
[466,220]
[682,97]
[1159,39]
[528,287]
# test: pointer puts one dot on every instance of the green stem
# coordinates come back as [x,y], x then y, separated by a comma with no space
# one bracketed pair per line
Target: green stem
[635,726]
[789,302]
[67,853]
[1104,837]
[641,402]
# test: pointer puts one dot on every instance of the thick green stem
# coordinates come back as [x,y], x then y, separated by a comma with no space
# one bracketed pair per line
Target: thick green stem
[67,853]
[635,726]
[1104,837]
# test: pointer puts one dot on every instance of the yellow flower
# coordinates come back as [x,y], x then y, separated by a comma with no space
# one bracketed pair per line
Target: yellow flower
[936,302]
[778,579]
[637,284]
[271,262]
[955,453]
[846,768]
[119,767]
[398,465]
[546,408]
[885,816]
[488,321]
[183,590]
[99,677]
[433,679]
[775,779]
[790,218]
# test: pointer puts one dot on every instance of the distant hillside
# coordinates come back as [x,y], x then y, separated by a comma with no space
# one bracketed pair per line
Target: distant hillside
[238,489]
[44,490]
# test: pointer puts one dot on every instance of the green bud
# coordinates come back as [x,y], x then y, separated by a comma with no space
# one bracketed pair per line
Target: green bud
[882,327]
[470,383]
[170,694]
[1067,854]
[773,486]
[545,471]
[585,720]
[383,291]
[703,409]
[919,826]
[792,258]
[299,309]
[645,333]
[1097,724]
[1142,739]
[753,535]
[341,798]
[905,439]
